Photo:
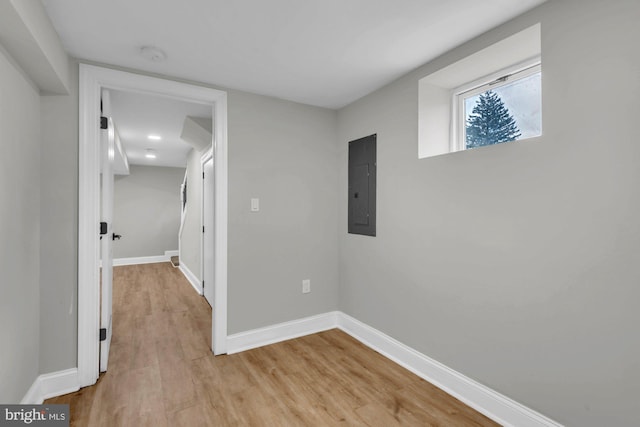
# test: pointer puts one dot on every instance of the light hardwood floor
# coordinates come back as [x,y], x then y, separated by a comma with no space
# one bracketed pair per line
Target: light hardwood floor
[162,373]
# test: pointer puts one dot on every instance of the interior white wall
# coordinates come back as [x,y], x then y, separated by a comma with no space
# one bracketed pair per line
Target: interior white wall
[147,211]
[59,229]
[20,231]
[190,241]
[516,265]
[28,36]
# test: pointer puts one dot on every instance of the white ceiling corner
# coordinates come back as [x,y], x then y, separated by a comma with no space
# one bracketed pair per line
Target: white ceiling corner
[326,53]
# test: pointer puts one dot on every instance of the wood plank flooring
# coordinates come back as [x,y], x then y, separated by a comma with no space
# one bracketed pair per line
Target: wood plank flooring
[162,373]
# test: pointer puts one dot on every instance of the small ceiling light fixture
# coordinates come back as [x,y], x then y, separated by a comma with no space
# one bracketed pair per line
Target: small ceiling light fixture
[150,154]
[153,54]
[154,137]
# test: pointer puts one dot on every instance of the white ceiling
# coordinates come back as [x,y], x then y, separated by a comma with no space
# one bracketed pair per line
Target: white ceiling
[137,116]
[326,53]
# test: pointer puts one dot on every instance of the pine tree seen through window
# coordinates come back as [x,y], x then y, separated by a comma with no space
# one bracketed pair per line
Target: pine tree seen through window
[506,109]
[490,122]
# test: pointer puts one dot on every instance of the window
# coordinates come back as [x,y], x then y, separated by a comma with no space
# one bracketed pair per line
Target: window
[509,70]
[500,110]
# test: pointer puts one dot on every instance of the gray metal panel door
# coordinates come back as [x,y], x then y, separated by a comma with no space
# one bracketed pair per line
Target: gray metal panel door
[362,186]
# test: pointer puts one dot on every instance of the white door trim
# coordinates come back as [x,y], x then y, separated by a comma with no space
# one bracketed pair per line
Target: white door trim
[92,80]
[208,155]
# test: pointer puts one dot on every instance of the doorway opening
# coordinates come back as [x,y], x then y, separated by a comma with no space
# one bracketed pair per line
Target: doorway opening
[93,80]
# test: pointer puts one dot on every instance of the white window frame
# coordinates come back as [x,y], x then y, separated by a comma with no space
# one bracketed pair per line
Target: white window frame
[499,78]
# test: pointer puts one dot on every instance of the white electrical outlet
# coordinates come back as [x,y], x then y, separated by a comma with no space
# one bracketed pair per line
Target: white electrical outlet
[306,286]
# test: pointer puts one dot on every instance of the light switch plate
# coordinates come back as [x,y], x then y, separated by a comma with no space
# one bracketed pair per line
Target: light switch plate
[255,205]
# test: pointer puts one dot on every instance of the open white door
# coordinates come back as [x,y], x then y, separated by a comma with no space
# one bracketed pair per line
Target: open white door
[107,156]
[92,80]
[208,238]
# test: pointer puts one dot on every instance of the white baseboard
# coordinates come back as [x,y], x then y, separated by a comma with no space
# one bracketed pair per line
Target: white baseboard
[33,394]
[197,285]
[494,405]
[51,385]
[281,332]
[145,259]
[139,260]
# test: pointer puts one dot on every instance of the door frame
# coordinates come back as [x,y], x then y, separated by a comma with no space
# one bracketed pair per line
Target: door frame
[208,155]
[92,80]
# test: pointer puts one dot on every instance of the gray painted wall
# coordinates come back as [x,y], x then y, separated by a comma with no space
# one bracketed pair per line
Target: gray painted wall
[284,154]
[517,265]
[59,230]
[147,211]
[19,232]
[190,244]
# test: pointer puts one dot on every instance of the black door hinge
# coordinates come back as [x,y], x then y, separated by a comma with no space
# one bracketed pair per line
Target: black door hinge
[104,123]
[202,175]
[103,334]
[103,228]
[203,228]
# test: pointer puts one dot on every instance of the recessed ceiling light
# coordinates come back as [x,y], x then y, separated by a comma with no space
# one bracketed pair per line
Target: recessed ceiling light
[153,54]
[150,154]
[154,137]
